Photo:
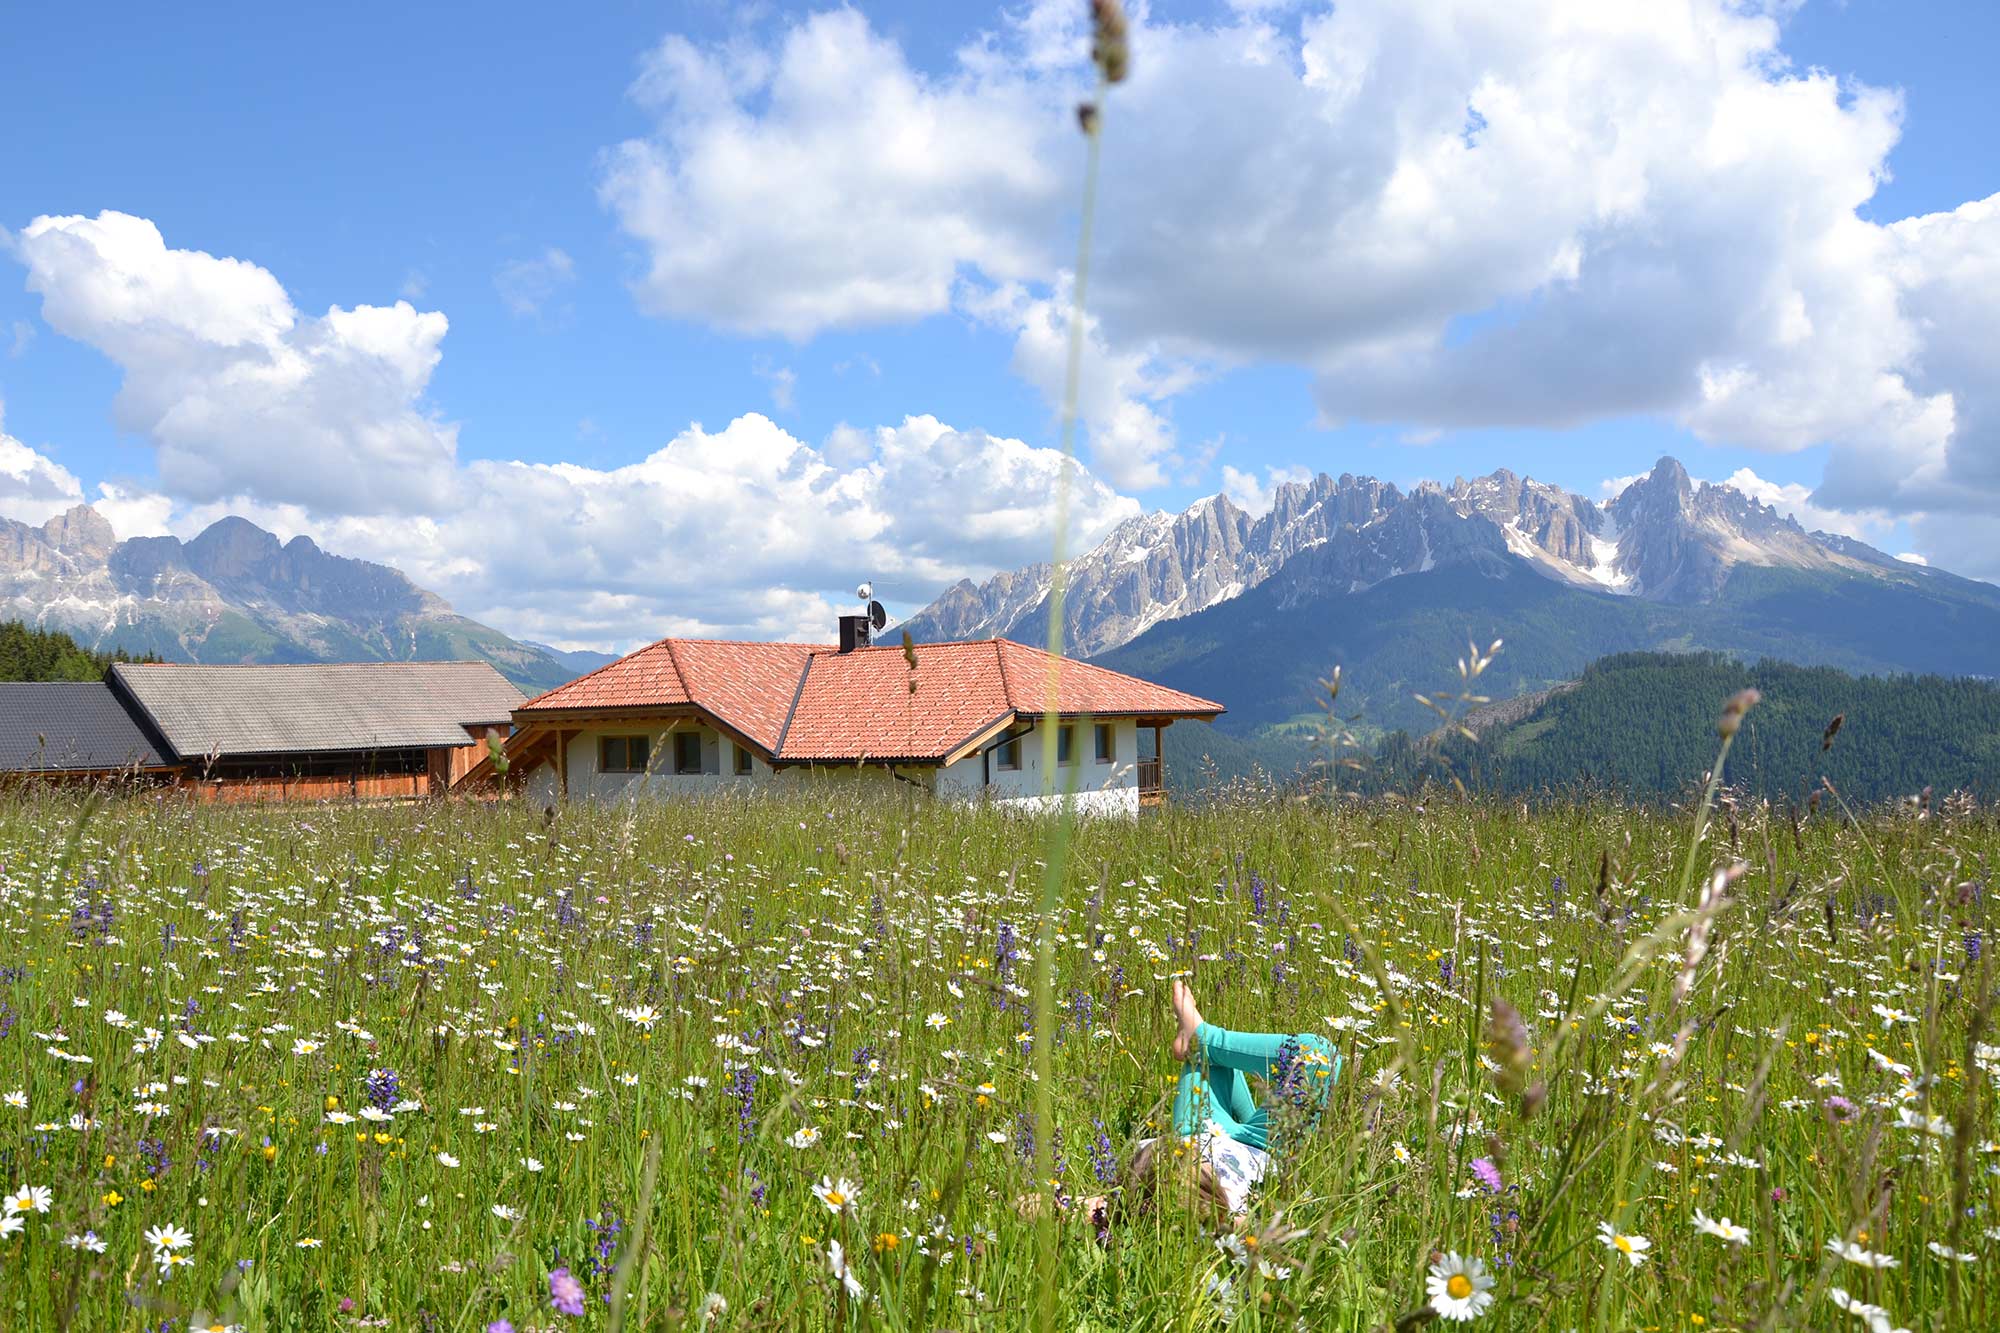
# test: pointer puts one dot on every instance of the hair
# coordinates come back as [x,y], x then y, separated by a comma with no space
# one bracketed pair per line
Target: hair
[1166,1168]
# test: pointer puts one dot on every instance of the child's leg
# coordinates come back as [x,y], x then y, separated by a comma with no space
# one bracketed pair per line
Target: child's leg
[1226,1102]
[1267,1054]
[1232,1090]
[1246,1052]
[1193,1103]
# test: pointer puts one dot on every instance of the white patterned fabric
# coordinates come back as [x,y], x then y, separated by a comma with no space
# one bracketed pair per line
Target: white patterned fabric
[1238,1166]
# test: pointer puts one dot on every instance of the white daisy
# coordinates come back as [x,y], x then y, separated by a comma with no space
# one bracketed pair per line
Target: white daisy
[1723,1230]
[30,1199]
[1460,1288]
[1861,1255]
[1632,1247]
[837,1195]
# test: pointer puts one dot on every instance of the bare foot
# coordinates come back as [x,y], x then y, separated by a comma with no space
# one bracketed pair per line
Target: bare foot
[1187,1015]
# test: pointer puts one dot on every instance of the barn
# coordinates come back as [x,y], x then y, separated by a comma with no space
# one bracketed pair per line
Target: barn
[307,731]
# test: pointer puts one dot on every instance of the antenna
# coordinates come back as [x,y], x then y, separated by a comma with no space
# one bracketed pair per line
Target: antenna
[876,615]
[865,591]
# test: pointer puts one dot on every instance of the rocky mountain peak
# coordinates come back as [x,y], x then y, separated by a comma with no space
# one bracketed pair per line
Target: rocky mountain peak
[80,531]
[231,548]
[1677,541]
[1665,490]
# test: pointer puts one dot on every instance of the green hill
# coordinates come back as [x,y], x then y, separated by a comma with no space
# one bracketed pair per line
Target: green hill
[1644,725]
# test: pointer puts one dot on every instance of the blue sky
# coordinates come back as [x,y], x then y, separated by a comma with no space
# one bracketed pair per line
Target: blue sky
[469,162]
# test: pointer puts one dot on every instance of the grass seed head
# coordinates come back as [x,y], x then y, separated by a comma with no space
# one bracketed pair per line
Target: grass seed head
[1109,48]
[1739,703]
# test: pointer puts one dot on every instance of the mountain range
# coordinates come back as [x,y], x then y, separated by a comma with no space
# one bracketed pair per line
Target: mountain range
[1254,610]
[1391,585]
[235,593]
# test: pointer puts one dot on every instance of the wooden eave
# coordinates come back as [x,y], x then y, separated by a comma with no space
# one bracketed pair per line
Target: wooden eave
[582,719]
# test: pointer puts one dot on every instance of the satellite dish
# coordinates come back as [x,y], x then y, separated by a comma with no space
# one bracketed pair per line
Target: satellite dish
[865,591]
[876,615]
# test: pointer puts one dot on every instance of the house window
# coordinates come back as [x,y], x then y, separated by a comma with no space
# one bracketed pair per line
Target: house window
[687,752]
[1107,743]
[1065,749]
[742,762]
[621,754]
[1007,754]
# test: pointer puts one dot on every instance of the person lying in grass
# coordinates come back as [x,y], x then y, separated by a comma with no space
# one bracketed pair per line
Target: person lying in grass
[1226,1133]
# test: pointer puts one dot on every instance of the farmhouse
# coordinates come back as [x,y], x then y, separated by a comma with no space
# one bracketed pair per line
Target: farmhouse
[963,719]
[246,733]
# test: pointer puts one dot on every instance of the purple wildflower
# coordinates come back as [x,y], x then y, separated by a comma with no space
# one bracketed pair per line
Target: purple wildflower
[384,1088]
[1489,1174]
[565,1293]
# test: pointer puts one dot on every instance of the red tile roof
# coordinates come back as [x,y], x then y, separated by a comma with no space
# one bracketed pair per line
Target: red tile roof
[748,686]
[858,705]
[805,703]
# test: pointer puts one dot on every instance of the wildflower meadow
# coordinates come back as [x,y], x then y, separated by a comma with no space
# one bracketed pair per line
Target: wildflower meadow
[771,1064]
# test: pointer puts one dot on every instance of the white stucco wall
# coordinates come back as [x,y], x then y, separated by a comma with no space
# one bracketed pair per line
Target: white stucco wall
[1100,787]
[1111,787]
[587,783]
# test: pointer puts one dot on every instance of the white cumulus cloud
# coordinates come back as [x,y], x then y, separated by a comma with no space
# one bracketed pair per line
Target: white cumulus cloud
[1454,214]
[823,183]
[733,531]
[744,531]
[237,390]
[33,487]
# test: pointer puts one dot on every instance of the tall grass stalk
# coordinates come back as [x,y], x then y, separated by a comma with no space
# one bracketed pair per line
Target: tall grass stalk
[1056,853]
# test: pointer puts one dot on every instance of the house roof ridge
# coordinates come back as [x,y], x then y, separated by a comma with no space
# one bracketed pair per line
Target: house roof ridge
[1006,681]
[792,709]
[680,676]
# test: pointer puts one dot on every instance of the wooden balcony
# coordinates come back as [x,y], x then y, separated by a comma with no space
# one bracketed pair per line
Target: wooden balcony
[1152,784]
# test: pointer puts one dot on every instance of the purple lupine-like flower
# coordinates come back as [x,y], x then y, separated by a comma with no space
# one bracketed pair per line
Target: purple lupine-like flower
[1103,1157]
[1024,1136]
[384,1088]
[153,1153]
[743,1087]
[1005,950]
[1488,1173]
[565,1293]
[607,1241]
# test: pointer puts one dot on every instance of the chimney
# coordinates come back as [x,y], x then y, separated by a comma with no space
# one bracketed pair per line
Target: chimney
[853,633]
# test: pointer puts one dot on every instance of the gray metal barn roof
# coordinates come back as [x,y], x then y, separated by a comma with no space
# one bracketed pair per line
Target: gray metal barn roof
[70,727]
[316,708]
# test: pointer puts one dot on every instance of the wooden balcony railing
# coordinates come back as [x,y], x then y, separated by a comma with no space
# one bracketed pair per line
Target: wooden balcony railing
[1152,787]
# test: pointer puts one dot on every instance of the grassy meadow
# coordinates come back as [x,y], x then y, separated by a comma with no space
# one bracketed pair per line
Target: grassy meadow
[445,1066]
